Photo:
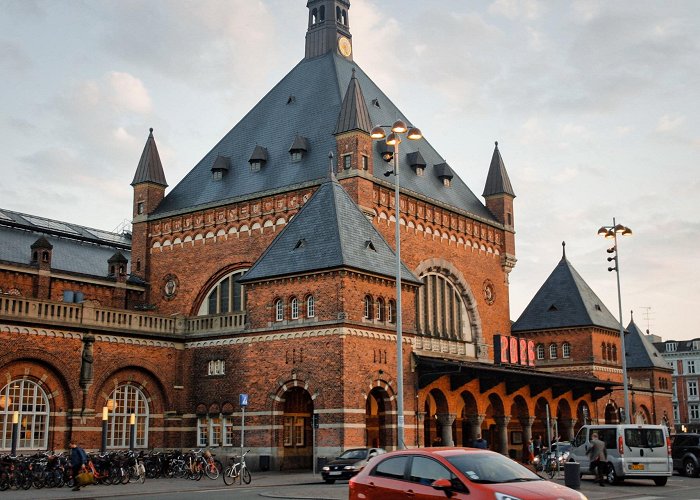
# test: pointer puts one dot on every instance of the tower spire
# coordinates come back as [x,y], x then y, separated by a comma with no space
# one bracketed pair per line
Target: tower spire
[328,29]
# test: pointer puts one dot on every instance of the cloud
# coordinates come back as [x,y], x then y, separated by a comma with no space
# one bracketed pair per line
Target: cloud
[668,123]
[514,9]
[129,92]
[13,58]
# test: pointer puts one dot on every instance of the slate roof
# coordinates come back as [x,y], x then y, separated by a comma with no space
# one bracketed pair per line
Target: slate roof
[497,180]
[641,352]
[307,102]
[150,169]
[76,249]
[565,300]
[329,232]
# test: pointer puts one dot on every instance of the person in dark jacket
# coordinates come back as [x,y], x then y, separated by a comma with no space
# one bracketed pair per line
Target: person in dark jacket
[78,459]
[480,442]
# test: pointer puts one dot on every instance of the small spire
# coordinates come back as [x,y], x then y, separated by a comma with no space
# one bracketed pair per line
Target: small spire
[353,72]
[632,316]
[151,131]
[496,144]
[331,170]
[563,246]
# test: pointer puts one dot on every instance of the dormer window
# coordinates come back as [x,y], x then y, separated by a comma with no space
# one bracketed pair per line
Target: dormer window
[671,346]
[420,171]
[220,167]
[444,173]
[300,146]
[258,159]
[417,163]
[696,345]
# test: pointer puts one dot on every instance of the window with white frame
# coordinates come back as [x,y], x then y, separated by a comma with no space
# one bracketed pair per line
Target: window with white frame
[694,411]
[128,400]
[279,310]
[294,308]
[676,414]
[310,306]
[690,366]
[368,307]
[28,399]
[552,351]
[216,367]
[391,312]
[566,350]
[227,295]
[214,431]
[441,308]
[692,389]
[540,351]
[671,346]
[380,309]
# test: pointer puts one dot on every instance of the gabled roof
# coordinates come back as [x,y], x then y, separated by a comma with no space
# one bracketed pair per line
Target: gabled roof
[353,112]
[318,86]
[497,181]
[329,232]
[150,169]
[641,353]
[564,301]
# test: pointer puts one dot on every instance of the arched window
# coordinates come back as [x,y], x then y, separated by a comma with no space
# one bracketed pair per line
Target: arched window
[369,307]
[610,353]
[540,351]
[279,310]
[314,15]
[322,13]
[29,399]
[310,306]
[380,309]
[294,308]
[441,309]
[566,350]
[337,14]
[228,295]
[552,351]
[127,400]
[605,351]
[614,353]
[391,312]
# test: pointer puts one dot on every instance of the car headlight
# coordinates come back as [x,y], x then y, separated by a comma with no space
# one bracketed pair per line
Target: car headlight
[504,496]
[326,468]
[352,467]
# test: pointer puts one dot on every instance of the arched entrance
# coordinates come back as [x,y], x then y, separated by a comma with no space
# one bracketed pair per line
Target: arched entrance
[296,445]
[496,423]
[435,408]
[642,415]
[471,420]
[612,414]
[377,406]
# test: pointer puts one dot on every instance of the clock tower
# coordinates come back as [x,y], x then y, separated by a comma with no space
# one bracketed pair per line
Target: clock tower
[329,28]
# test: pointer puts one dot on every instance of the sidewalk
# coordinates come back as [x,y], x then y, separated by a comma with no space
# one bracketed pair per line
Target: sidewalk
[268,480]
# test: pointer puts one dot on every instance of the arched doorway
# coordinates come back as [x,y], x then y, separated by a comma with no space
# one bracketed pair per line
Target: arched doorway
[296,444]
[495,423]
[642,415]
[583,414]
[377,406]
[471,420]
[435,405]
[612,414]
[565,428]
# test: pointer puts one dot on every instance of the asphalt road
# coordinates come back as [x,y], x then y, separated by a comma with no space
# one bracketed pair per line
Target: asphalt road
[307,486]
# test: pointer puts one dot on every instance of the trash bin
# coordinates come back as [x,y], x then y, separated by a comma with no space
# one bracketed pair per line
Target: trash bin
[572,475]
[264,463]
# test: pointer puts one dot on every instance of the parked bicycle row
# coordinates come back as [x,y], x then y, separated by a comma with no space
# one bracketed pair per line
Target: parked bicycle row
[51,470]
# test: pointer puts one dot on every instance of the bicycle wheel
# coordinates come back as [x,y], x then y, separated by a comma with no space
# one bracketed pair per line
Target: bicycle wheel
[230,475]
[552,469]
[245,475]
[141,473]
[211,470]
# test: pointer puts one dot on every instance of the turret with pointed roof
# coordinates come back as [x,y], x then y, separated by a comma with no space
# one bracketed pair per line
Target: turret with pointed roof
[499,195]
[641,352]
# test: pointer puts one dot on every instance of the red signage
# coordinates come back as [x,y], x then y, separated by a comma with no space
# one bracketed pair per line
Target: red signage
[513,351]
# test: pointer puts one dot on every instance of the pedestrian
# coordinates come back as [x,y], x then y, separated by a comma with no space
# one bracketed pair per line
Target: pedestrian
[480,442]
[528,451]
[599,458]
[537,445]
[437,441]
[78,460]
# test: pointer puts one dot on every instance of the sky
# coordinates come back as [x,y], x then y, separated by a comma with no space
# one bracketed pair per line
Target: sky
[595,106]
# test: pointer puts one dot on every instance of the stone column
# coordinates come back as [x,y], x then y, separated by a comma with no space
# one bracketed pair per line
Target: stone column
[567,429]
[445,420]
[526,423]
[502,423]
[475,420]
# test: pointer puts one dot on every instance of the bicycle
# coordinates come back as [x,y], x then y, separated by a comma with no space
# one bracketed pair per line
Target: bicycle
[136,469]
[549,464]
[237,470]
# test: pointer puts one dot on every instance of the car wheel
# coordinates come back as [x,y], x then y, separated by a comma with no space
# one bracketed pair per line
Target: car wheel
[329,481]
[660,481]
[689,468]
[611,475]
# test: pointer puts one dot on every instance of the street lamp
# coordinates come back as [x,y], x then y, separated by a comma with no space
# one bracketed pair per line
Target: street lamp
[612,232]
[397,129]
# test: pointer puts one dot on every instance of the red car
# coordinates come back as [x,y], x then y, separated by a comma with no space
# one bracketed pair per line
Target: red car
[455,473]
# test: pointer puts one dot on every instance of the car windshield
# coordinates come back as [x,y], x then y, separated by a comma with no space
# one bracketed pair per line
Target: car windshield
[491,468]
[359,454]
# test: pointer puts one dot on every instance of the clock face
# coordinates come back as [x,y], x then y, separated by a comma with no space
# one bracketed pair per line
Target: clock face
[344,46]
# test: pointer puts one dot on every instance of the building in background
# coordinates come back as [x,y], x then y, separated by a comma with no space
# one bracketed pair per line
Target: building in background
[684,357]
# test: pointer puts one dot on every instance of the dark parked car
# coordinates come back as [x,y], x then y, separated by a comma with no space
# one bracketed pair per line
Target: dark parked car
[348,464]
[454,473]
[685,452]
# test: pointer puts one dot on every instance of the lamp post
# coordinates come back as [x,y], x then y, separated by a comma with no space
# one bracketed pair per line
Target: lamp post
[612,232]
[132,434]
[15,433]
[105,420]
[393,139]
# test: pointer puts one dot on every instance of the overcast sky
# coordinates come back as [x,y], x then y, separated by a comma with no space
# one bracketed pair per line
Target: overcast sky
[595,104]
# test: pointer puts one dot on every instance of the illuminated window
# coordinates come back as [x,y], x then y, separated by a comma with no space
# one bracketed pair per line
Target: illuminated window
[30,400]
[128,400]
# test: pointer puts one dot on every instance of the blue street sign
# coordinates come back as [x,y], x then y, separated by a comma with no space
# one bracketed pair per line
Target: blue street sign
[243,400]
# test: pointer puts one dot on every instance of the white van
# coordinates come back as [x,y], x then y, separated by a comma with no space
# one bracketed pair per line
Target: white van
[634,451]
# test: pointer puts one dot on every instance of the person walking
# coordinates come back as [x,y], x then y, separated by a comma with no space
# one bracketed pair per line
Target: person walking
[78,460]
[528,451]
[599,458]
[480,442]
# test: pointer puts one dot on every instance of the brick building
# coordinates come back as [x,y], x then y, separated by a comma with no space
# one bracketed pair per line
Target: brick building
[269,270]
[684,358]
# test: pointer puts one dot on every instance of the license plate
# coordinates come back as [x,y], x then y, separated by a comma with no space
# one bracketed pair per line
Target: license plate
[335,473]
[637,467]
